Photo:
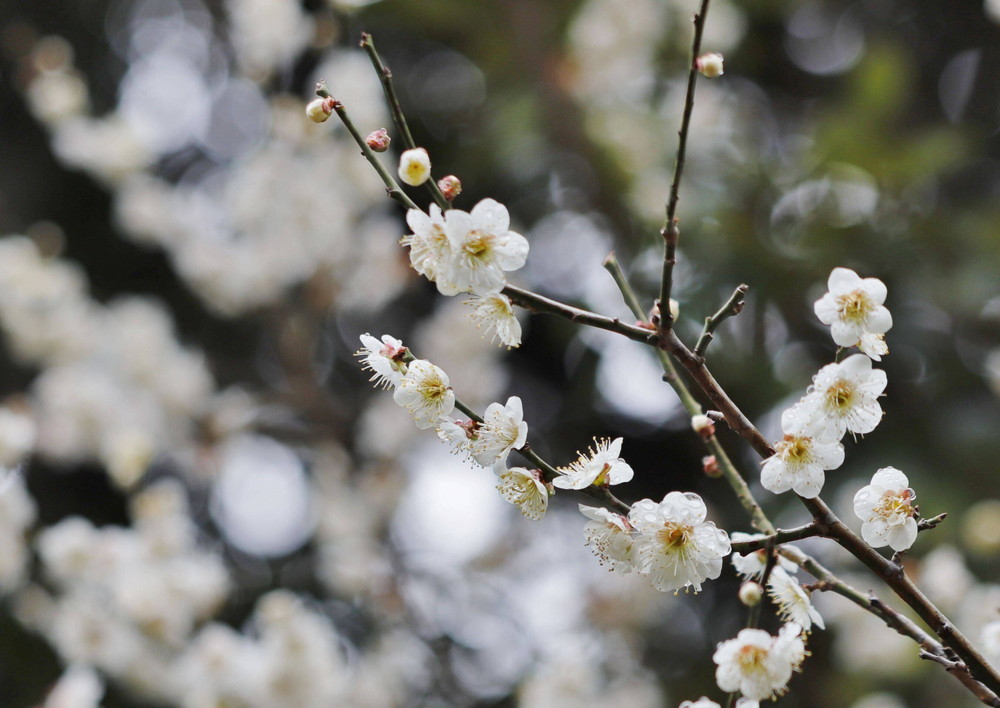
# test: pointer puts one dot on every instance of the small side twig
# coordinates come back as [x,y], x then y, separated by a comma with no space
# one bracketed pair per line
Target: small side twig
[928,524]
[733,307]
[385,76]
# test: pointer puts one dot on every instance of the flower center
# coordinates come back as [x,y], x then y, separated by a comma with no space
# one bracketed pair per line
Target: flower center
[602,476]
[840,396]
[478,245]
[674,535]
[433,389]
[855,306]
[751,657]
[896,504]
[795,449]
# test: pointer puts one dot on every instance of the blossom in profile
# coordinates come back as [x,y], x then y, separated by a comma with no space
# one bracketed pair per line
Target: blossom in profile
[609,536]
[460,435]
[503,429]
[886,510]
[758,665]
[425,392]
[675,547]
[428,244]
[494,316]
[483,248]
[800,458]
[383,358]
[524,489]
[844,397]
[599,467]
[414,167]
[853,307]
[751,565]
[792,600]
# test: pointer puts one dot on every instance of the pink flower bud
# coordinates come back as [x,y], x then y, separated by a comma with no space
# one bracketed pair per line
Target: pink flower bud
[378,140]
[450,187]
[703,425]
[710,465]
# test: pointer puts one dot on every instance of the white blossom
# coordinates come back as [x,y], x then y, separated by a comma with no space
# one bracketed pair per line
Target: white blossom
[503,429]
[78,687]
[425,392]
[414,167]
[675,547]
[873,345]
[751,565]
[524,489]
[483,248]
[886,509]
[609,536]
[800,458]
[853,307]
[494,315]
[844,397]
[792,600]
[757,664]
[599,467]
[428,244]
[383,359]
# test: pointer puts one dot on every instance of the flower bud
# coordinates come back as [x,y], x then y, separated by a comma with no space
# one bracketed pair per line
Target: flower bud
[319,109]
[710,465]
[414,167]
[751,593]
[378,140]
[709,65]
[450,187]
[703,425]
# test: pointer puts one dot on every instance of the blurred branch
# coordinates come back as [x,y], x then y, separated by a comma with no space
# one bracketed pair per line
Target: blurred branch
[385,76]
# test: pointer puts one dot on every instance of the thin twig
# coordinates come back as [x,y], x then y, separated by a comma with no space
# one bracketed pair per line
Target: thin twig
[539,303]
[928,524]
[670,231]
[391,186]
[385,76]
[733,307]
[777,538]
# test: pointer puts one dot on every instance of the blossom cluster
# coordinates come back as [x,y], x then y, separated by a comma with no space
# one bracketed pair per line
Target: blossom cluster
[471,252]
[670,542]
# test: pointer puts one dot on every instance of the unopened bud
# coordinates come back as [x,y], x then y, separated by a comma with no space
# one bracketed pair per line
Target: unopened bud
[378,140]
[675,310]
[414,167]
[751,593]
[703,425]
[319,109]
[710,465]
[709,65]
[450,187]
